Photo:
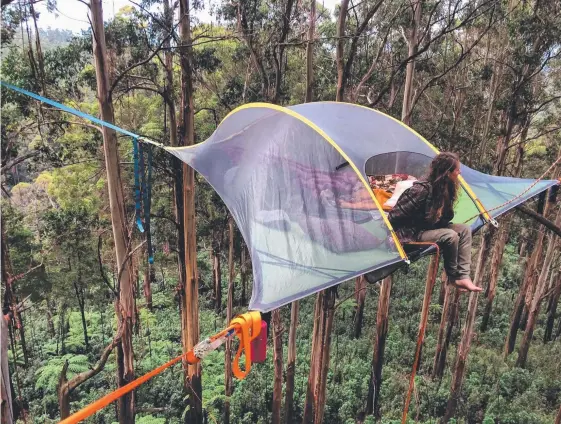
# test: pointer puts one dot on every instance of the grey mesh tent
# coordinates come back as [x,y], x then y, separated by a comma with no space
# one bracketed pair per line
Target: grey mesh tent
[287,175]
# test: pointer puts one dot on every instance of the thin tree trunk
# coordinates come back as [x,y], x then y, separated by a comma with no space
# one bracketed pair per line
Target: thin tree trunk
[6,389]
[50,323]
[125,305]
[328,312]
[277,363]
[310,53]
[432,273]
[217,273]
[291,364]
[538,296]
[448,319]
[552,306]
[190,301]
[496,260]
[82,306]
[558,418]
[467,330]
[340,49]
[149,279]
[243,274]
[375,384]
[526,286]
[309,403]
[412,46]
[229,315]
[360,296]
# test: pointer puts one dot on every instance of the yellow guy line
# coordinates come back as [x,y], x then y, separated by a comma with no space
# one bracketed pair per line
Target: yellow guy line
[463,182]
[334,144]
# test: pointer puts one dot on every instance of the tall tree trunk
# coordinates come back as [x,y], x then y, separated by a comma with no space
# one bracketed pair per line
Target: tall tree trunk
[527,285]
[243,274]
[360,297]
[149,279]
[277,363]
[82,305]
[496,260]
[190,293]
[310,53]
[328,312]
[319,363]
[552,245]
[340,50]
[217,274]
[467,330]
[125,305]
[291,364]
[309,403]
[375,384]
[432,273]
[229,315]
[6,410]
[50,323]
[447,322]
[552,306]
[412,46]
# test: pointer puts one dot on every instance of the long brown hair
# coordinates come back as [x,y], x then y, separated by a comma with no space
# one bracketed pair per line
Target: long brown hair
[444,187]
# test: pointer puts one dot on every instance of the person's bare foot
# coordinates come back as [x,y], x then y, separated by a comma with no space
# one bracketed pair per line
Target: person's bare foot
[466,284]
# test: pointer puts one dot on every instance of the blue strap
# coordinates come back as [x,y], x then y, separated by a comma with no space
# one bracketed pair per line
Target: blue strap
[137,184]
[147,203]
[69,109]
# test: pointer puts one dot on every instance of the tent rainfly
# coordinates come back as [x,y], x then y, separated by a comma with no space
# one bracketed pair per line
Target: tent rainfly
[285,172]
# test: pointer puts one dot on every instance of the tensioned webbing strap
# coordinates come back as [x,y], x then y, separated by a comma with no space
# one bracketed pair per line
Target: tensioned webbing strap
[69,109]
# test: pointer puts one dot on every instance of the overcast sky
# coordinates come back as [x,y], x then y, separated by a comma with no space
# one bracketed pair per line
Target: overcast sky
[73,15]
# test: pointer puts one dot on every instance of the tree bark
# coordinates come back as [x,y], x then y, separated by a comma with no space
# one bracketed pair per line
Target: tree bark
[190,292]
[534,309]
[309,403]
[229,315]
[6,410]
[496,260]
[319,363]
[291,364]
[340,49]
[552,306]
[243,274]
[149,279]
[412,46]
[217,273]
[450,319]
[526,286]
[432,273]
[125,305]
[328,312]
[82,305]
[360,297]
[310,53]
[277,363]
[467,330]
[375,384]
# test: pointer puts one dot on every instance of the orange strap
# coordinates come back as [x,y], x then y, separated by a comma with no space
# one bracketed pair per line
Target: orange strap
[246,326]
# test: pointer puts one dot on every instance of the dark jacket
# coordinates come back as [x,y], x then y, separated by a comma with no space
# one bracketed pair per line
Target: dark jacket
[410,216]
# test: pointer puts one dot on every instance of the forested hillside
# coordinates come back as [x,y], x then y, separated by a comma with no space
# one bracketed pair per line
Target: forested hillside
[86,312]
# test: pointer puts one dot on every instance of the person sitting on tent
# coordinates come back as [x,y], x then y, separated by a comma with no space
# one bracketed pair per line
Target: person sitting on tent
[425,211]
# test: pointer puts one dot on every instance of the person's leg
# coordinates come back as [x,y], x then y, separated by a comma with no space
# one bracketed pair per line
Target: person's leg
[464,249]
[455,244]
[448,241]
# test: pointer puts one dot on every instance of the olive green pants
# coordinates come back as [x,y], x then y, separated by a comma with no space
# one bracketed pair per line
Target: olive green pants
[455,244]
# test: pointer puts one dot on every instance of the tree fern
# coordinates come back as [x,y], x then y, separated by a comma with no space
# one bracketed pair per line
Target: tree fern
[49,373]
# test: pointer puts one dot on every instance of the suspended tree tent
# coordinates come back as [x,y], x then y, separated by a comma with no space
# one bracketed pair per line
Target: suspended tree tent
[285,172]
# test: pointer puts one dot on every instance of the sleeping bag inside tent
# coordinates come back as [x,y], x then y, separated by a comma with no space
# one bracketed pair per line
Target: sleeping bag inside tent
[291,175]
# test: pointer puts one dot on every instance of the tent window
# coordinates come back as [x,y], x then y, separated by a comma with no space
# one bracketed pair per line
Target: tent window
[409,163]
